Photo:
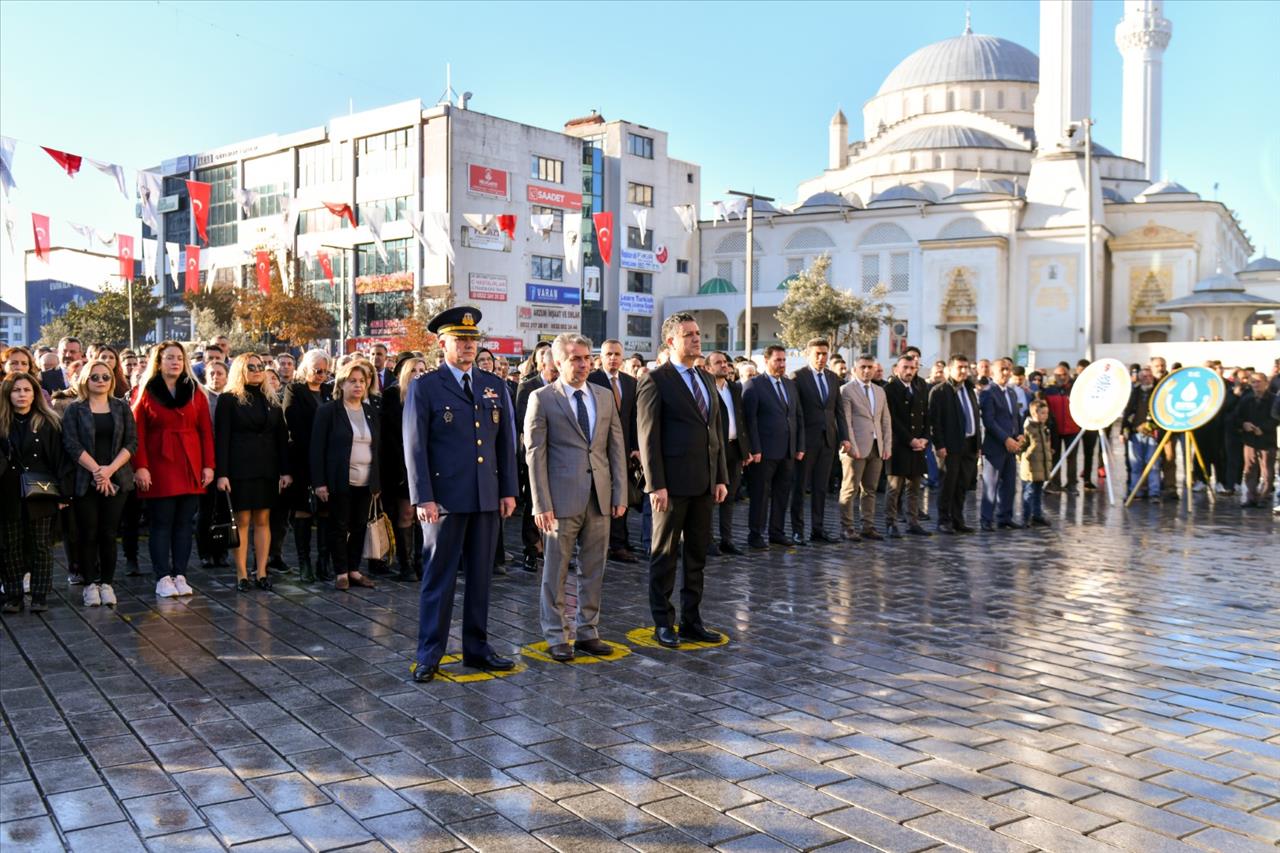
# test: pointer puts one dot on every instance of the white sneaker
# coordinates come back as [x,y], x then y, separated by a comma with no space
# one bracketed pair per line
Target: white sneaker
[165,588]
[26,583]
[107,595]
[91,596]
[180,583]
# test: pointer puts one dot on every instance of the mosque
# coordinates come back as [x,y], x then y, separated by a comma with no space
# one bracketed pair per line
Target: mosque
[966,199]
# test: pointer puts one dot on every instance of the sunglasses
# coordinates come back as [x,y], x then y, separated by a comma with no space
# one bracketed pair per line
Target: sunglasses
[320,371]
[253,368]
[100,377]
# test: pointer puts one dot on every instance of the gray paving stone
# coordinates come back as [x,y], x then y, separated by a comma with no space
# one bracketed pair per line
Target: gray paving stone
[114,837]
[496,834]
[412,832]
[526,809]
[286,792]
[698,820]
[785,825]
[30,835]
[868,827]
[617,818]
[242,820]
[190,841]
[84,808]
[19,800]
[366,797]
[138,780]
[325,828]
[249,762]
[963,835]
[65,774]
[163,814]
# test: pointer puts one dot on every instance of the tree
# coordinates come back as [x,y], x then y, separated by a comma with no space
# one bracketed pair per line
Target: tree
[105,320]
[292,318]
[220,303]
[416,338]
[814,309]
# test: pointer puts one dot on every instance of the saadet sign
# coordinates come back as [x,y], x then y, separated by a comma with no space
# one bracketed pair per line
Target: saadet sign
[552,197]
[483,180]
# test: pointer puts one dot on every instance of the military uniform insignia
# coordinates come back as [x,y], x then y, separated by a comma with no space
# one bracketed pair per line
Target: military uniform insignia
[490,394]
[448,416]
[495,416]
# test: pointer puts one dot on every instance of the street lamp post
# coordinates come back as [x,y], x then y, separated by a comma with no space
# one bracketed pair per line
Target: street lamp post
[751,219]
[342,294]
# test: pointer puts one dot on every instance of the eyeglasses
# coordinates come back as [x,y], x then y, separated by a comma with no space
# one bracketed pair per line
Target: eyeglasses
[320,371]
[100,377]
[253,368]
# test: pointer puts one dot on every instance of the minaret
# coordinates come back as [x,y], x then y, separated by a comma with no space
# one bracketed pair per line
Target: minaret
[1065,63]
[838,141]
[1142,36]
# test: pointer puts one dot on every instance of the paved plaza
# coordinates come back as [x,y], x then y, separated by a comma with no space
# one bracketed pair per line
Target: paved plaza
[1111,683]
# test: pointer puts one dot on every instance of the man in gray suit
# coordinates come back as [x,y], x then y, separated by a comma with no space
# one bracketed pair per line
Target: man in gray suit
[577,463]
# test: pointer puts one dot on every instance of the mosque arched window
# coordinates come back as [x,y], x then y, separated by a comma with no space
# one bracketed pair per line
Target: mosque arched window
[913,162]
[1024,99]
[975,100]
[937,161]
[951,101]
[924,103]
[1000,99]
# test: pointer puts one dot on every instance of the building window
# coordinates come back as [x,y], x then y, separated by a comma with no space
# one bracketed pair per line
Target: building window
[639,327]
[924,103]
[975,100]
[870,272]
[393,209]
[937,161]
[558,223]
[268,178]
[755,274]
[383,152]
[682,266]
[641,194]
[639,282]
[315,282]
[795,266]
[323,163]
[688,177]
[640,146]
[634,241]
[222,203]
[724,270]
[314,220]
[546,169]
[951,101]
[899,272]
[547,269]
[913,162]
[1000,99]
[1024,99]
[368,261]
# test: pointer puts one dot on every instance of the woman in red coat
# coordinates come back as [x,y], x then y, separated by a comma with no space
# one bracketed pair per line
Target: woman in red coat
[174,462]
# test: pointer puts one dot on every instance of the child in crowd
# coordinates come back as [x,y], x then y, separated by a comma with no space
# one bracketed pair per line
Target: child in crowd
[1034,463]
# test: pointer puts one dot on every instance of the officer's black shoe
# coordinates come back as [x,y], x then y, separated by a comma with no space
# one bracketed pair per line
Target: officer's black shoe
[491,662]
[530,564]
[423,674]
[666,637]
[729,548]
[699,634]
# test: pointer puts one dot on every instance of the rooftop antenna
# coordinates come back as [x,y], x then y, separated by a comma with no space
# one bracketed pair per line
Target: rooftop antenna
[449,95]
[968,20]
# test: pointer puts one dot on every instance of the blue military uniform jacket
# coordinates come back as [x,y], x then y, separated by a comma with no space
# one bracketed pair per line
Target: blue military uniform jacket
[459,454]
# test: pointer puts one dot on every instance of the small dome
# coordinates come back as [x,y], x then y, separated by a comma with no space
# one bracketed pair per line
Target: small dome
[1263,264]
[716,285]
[945,136]
[1112,195]
[764,208]
[902,196]
[826,199]
[1166,191]
[965,58]
[982,187]
[1218,282]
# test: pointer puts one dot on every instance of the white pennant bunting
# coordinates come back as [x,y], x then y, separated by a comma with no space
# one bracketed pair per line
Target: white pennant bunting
[374,220]
[572,242]
[88,232]
[6,165]
[246,198]
[291,211]
[150,188]
[481,222]
[113,170]
[736,207]
[642,220]
[437,230]
[543,224]
[415,225]
[8,229]
[688,217]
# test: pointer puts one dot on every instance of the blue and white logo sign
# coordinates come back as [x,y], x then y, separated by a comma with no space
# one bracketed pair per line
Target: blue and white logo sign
[1187,399]
[550,294]
[636,303]
[639,259]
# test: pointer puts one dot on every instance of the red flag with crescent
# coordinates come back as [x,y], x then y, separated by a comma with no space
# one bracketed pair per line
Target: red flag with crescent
[200,193]
[342,211]
[604,234]
[507,224]
[125,252]
[40,227]
[192,282]
[264,271]
[326,266]
[70,163]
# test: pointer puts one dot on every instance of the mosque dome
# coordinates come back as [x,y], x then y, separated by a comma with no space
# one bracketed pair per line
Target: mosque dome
[1263,264]
[1166,191]
[983,187]
[946,136]
[825,200]
[965,58]
[902,196]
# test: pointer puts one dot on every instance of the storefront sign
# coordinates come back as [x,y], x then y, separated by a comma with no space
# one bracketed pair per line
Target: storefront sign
[505,346]
[1187,399]
[639,259]
[1100,393]
[167,203]
[482,180]
[636,303]
[480,240]
[544,318]
[554,198]
[488,287]
[644,346]
[552,294]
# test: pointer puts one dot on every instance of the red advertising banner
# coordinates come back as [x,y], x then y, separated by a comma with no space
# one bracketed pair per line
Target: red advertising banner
[505,346]
[555,198]
[483,180]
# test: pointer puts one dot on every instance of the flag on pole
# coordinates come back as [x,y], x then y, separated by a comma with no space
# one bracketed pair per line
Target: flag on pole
[507,224]
[326,266]
[150,188]
[192,282]
[113,170]
[342,210]
[572,242]
[263,266]
[200,193]
[40,227]
[642,220]
[604,234]
[70,163]
[6,164]
[688,217]
[125,254]
[374,219]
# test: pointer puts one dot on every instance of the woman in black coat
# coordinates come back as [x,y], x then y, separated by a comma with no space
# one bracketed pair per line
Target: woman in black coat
[345,471]
[251,449]
[30,441]
[395,477]
[302,399]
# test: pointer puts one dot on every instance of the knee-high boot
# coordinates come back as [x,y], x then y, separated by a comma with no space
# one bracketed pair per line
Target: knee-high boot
[302,540]
[324,568]
[404,547]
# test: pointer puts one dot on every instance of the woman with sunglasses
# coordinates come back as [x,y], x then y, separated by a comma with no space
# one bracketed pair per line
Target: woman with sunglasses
[252,461]
[302,399]
[99,435]
[102,352]
[174,462]
[30,444]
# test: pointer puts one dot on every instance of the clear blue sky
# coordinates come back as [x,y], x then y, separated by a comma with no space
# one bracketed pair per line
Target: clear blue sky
[744,89]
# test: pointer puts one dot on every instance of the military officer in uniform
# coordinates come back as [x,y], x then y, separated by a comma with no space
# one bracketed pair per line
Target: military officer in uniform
[459,448]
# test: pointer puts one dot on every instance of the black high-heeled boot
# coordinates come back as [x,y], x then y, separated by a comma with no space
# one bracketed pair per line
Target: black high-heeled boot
[302,541]
[324,571]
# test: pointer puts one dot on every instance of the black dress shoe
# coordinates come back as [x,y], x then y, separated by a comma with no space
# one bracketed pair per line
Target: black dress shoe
[278,564]
[757,545]
[987,527]
[963,528]
[594,646]
[943,527]
[872,535]
[1009,525]
[699,634]
[498,569]
[530,564]
[917,530]
[622,555]
[893,532]
[781,540]
[824,537]
[730,548]
[491,662]
[799,541]
[423,674]
[562,652]
[667,637]
[713,550]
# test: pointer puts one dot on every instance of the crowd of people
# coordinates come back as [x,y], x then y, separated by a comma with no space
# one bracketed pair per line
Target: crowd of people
[226,453]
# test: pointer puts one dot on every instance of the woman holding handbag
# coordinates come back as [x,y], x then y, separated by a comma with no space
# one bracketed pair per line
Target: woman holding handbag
[33,484]
[100,437]
[252,461]
[302,399]
[345,442]
[174,463]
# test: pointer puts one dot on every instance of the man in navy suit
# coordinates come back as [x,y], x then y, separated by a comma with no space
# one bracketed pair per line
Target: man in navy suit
[1001,441]
[824,430]
[459,448]
[58,379]
[776,428]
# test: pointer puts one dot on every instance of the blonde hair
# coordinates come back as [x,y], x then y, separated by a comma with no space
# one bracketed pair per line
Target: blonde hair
[153,364]
[405,372]
[82,380]
[40,410]
[236,385]
[344,373]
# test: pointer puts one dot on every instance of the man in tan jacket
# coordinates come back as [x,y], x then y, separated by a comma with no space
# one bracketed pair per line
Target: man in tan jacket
[862,457]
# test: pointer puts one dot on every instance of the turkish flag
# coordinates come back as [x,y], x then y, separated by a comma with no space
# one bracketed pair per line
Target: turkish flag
[125,252]
[604,234]
[342,211]
[192,283]
[40,227]
[200,193]
[507,224]
[264,271]
[70,163]
[326,266]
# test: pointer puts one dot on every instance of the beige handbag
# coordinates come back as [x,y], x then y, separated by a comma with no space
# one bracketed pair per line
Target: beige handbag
[379,536]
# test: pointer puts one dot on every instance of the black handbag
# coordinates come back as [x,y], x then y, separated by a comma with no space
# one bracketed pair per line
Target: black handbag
[635,485]
[223,534]
[37,485]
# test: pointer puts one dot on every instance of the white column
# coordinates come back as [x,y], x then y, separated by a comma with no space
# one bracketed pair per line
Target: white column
[1064,69]
[1142,36]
